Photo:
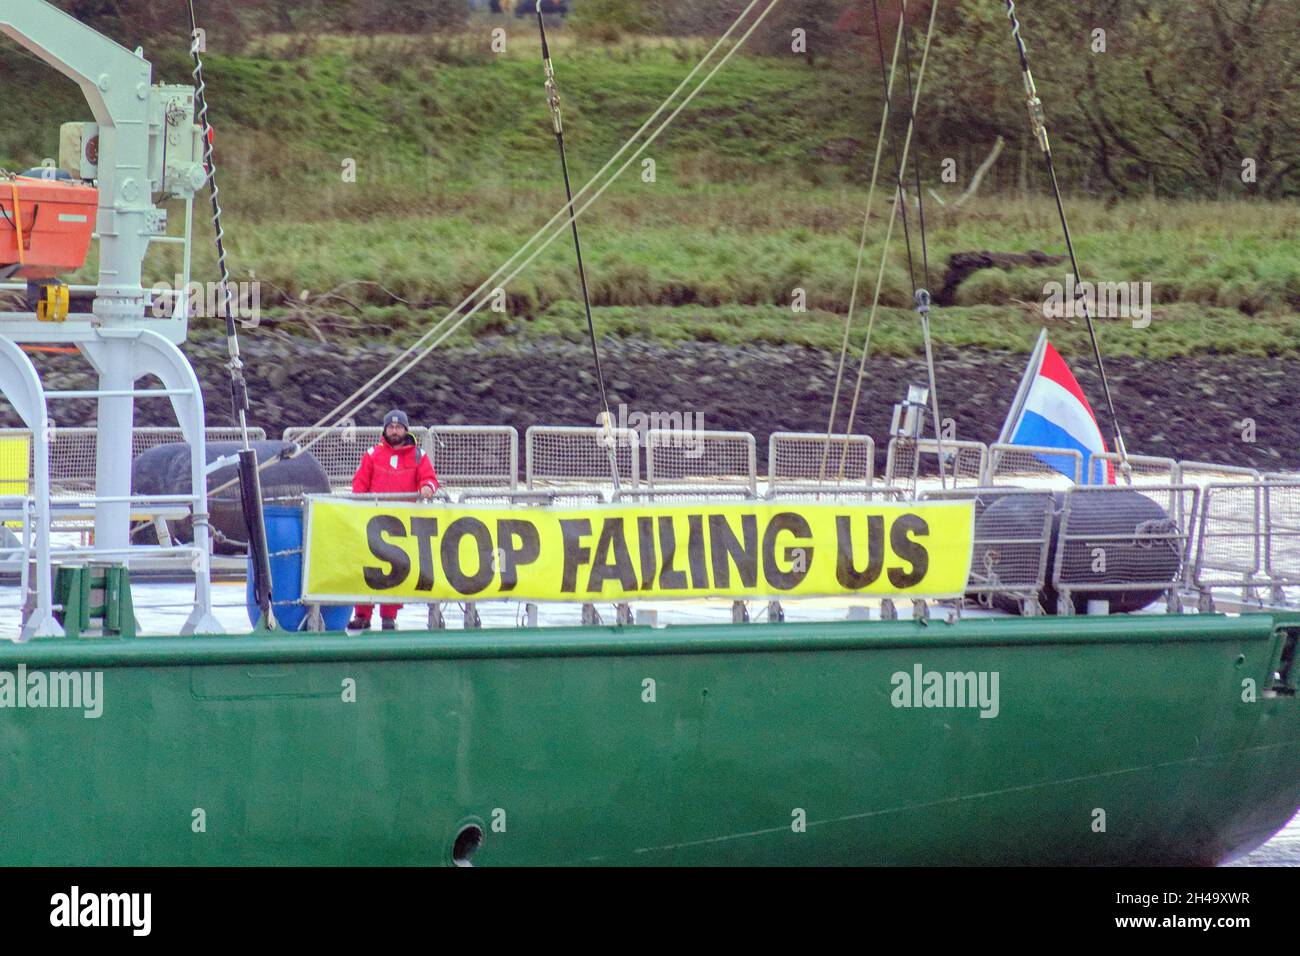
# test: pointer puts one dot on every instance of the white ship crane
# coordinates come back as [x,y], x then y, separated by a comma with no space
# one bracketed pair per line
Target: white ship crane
[149,150]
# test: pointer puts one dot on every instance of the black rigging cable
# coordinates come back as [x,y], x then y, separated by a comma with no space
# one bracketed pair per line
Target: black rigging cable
[916,154]
[238,386]
[439,332]
[250,482]
[553,100]
[1038,122]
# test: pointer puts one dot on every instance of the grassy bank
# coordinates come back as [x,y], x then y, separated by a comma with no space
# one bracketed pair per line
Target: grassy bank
[758,191]
[721,262]
[719,244]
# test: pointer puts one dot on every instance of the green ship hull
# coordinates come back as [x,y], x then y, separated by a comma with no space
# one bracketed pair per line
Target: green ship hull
[1121,740]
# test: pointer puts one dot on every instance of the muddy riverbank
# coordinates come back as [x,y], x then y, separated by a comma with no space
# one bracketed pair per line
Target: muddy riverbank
[1196,408]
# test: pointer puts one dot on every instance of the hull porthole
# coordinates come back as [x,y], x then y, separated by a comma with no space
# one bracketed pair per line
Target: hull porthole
[466,844]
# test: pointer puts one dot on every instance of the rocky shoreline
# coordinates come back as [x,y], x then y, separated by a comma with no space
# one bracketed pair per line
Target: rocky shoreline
[1194,408]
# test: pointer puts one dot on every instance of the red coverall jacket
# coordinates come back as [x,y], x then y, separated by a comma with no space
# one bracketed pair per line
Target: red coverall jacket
[388,469]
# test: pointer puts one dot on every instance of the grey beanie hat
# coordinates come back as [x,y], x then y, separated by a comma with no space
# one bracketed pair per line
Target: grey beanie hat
[397,415]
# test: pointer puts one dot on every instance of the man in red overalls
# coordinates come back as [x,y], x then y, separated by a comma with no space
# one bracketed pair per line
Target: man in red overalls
[396,464]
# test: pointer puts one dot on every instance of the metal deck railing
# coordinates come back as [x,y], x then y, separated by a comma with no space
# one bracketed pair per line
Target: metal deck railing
[679,462]
[965,463]
[339,450]
[566,456]
[1248,542]
[1228,533]
[1012,543]
[1102,547]
[800,463]
[1014,464]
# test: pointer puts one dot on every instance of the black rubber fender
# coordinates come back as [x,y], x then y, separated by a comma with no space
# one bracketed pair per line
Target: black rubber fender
[165,470]
[1118,519]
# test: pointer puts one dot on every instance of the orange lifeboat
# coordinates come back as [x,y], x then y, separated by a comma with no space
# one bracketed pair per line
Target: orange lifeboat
[45,226]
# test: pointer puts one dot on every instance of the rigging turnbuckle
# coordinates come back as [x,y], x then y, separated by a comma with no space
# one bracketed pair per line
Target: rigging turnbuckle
[553,96]
[1037,118]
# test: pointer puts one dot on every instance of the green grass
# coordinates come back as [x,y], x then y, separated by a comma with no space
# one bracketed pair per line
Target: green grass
[760,190]
[716,246]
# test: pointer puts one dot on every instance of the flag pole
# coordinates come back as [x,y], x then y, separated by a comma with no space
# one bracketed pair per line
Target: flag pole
[1018,403]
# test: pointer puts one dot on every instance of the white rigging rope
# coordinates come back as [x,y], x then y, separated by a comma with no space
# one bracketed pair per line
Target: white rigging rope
[857,270]
[558,224]
[889,231]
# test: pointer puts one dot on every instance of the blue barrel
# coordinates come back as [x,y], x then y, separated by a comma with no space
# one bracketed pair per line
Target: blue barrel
[284,534]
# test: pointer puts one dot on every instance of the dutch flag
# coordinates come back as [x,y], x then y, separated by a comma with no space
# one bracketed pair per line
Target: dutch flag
[1051,411]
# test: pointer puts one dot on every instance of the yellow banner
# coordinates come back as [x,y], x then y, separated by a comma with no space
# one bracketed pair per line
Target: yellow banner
[15,468]
[367,551]
[15,463]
